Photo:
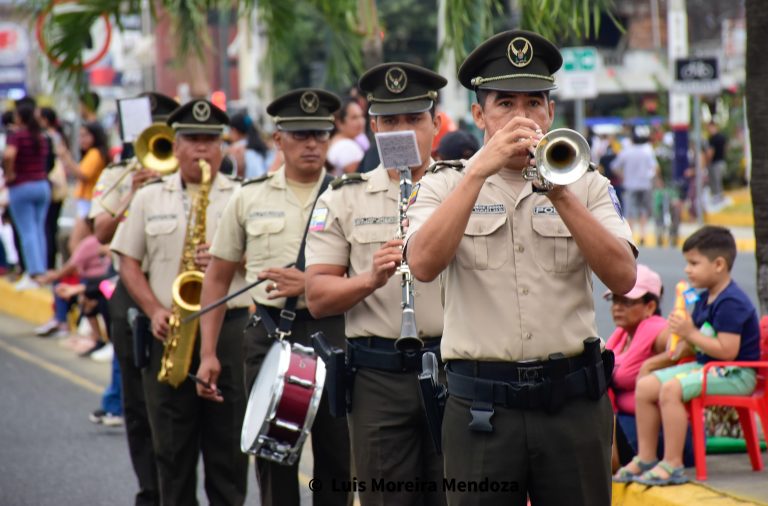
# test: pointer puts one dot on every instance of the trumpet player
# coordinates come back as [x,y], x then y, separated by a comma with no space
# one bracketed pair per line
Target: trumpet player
[155,230]
[137,428]
[266,223]
[354,250]
[527,410]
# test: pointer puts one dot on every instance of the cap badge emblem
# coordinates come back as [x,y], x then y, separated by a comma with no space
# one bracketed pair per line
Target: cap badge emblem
[201,111]
[395,80]
[520,52]
[309,102]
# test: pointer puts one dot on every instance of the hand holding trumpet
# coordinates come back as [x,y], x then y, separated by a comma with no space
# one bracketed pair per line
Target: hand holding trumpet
[510,147]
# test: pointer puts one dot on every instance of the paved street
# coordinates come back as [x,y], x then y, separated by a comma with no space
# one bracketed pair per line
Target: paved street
[52,455]
[669,263]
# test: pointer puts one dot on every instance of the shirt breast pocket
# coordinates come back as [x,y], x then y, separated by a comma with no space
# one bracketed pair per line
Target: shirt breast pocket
[369,239]
[159,238]
[485,244]
[262,237]
[556,249]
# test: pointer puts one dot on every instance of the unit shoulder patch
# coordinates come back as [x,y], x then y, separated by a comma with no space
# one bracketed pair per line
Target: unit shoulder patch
[446,164]
[352,177]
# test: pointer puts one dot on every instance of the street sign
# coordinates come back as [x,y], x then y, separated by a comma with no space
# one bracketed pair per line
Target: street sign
[578,76]
[696,76]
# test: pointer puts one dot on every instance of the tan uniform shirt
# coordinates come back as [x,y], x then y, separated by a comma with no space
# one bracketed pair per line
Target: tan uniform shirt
[156,225]
[349,224]
[264,222]
[109,203]
[518,287]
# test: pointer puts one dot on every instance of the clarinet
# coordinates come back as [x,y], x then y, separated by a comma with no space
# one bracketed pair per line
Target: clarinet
[409,340]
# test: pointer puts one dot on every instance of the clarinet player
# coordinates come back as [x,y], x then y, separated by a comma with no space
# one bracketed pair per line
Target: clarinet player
[352,262]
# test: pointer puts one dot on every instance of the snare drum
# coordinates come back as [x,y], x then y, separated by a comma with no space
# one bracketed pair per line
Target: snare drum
[283,403]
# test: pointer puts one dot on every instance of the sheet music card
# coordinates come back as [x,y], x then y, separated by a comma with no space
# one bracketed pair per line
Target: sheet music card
[398,149]
[135,116]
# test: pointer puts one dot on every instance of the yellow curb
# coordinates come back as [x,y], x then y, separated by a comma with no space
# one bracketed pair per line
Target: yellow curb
[743,244]
[689,494]
[730,220]
[34,306]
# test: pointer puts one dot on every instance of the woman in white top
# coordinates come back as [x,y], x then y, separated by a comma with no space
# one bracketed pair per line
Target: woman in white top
[344,153]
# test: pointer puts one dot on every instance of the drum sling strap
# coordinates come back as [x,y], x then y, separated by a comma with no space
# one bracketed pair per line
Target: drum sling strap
[282,329]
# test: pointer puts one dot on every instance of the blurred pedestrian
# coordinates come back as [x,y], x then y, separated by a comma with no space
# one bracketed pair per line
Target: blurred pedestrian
[638,167]
[457,145]
[95,156]
[716,165]
[344,152]
[57,177]
[250,153]
[29,193]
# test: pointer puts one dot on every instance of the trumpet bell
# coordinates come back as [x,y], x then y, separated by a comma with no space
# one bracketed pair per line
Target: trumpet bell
[562,156]
[154,149]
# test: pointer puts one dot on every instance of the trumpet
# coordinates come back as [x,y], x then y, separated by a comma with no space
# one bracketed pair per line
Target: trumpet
[409,334]
[154,150]
[562,157]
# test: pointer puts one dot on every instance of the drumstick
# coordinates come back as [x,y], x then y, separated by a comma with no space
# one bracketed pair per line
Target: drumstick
[203,383]
[215,304]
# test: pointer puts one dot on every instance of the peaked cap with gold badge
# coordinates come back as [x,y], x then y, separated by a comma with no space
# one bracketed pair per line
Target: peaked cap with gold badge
[304,109]
[198,116]
[516,60]
[161,106]
[400,88]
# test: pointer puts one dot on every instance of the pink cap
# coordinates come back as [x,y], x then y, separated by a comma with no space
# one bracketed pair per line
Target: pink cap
[648,281]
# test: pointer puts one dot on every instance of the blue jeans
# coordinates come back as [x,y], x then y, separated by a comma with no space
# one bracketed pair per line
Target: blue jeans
[112,401]
[28,204]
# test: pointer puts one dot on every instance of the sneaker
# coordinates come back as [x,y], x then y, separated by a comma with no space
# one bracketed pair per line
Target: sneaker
[48,328]
[97,416]
[110,420]
[26,283]
[104,354]
[87,352]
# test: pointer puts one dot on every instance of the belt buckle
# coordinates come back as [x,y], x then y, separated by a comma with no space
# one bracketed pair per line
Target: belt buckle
[530,375]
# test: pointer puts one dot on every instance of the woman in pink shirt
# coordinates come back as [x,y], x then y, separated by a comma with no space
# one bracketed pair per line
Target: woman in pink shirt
[641,333]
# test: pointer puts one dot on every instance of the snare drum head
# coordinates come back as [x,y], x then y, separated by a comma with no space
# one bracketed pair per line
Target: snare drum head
[264,393]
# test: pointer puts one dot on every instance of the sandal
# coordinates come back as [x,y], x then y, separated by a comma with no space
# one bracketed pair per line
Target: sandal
[653,479]
[624,475]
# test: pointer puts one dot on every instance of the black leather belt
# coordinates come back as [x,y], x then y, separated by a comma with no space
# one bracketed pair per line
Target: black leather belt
[379,353]
[536,385]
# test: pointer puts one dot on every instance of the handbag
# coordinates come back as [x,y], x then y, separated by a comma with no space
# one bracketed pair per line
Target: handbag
[58,179]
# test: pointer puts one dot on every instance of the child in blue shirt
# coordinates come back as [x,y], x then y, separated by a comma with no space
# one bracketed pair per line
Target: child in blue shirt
[724,326]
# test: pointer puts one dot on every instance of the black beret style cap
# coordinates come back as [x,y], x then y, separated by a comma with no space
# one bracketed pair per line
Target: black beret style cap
[516,60]
[400,88]
[198,116]
[161,106]
[304,109]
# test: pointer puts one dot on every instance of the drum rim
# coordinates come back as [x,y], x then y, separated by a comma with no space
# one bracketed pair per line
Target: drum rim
[314,405]
[276,394]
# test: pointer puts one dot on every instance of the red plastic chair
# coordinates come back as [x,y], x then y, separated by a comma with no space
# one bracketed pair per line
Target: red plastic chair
[746,406]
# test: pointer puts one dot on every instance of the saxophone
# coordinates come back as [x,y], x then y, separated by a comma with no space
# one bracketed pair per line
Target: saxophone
[187,287]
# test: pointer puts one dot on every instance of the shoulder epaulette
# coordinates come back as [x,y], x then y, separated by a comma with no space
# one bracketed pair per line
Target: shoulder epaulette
[256,180]
[235,179]
[152,181]
[445,164]
[352,177]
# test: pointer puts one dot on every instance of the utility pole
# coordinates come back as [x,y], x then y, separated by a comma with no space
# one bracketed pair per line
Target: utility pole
[679,103]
